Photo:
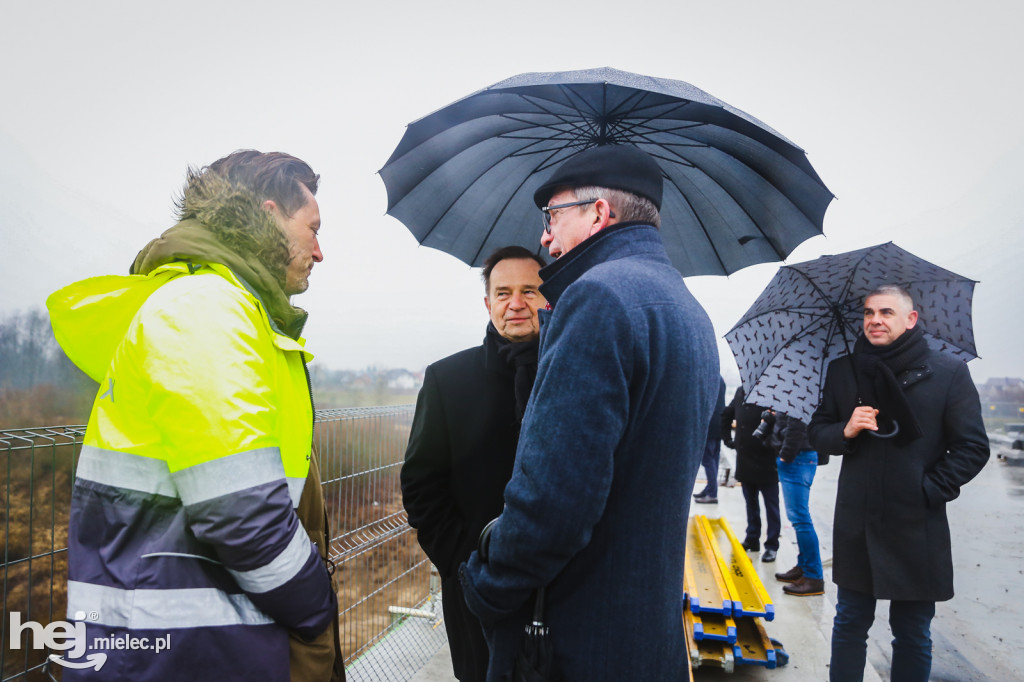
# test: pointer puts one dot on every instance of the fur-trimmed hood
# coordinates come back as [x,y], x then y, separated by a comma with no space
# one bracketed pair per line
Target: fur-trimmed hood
[221,222]
[235,215]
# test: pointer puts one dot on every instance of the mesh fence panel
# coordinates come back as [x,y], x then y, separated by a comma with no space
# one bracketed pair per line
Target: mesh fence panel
[389,601]
[389,609]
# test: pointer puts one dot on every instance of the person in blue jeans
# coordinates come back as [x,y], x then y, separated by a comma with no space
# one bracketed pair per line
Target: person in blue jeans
[797,464]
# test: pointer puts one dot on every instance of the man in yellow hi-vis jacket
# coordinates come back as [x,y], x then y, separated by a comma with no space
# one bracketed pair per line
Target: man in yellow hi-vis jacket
[186,542]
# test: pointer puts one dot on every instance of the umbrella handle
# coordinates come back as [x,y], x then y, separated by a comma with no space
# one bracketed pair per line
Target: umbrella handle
[538,608]
[891,434]
[484,542]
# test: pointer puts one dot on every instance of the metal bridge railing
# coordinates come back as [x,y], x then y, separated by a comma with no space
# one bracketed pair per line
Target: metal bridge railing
[388,598]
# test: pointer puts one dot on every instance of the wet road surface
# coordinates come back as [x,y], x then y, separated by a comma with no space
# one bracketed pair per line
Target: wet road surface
[978,635]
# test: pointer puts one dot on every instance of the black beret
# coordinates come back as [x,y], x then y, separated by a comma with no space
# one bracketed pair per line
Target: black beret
[621,167]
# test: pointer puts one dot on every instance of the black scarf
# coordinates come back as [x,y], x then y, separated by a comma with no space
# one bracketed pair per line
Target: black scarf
[876,369]
[521,358]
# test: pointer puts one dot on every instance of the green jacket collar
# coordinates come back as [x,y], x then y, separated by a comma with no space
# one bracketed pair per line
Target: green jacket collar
[192,241]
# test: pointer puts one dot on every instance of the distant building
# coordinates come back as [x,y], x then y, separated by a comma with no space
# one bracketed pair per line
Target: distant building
[1002,397]
[402,380]
[365,380]
[1002,385]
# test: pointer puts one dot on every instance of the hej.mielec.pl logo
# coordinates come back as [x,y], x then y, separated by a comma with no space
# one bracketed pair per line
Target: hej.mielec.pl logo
[71,637]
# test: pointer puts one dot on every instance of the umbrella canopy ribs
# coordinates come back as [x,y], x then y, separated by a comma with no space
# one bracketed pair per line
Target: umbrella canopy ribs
[736,192]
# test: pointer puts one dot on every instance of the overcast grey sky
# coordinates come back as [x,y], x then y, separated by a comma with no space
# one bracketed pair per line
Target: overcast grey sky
[910,112]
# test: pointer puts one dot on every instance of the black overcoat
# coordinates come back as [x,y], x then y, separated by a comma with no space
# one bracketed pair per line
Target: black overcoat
[461,449]
[890,534]
[755,459]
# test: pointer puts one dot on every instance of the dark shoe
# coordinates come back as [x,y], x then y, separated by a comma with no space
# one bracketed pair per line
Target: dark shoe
[702,493]
[768,556]
[805,587]
[791,576]
[706,499]
[752,545]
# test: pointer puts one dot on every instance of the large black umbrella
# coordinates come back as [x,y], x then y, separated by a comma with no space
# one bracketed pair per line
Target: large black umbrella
[811,313]
[736,192]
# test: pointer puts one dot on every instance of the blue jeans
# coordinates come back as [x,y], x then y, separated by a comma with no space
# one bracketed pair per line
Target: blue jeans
[712,453]
[910,622]
[795,478]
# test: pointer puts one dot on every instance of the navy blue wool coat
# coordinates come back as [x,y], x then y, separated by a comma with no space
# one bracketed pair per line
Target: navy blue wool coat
[611,442]
[891,535]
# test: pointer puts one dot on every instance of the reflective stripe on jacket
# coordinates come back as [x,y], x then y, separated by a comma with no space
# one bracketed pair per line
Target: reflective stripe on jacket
[196,453]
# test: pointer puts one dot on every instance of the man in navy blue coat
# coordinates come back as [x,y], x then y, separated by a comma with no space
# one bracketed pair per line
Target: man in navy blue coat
[612,439]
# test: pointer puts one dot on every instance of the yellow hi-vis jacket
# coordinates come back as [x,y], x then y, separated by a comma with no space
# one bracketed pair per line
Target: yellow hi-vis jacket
[197,450]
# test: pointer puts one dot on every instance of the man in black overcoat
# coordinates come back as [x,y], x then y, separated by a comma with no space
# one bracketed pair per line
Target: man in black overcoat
[464,437]
[756,471]
[907,422]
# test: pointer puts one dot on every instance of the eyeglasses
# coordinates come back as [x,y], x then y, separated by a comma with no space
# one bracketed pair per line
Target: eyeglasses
[548,209]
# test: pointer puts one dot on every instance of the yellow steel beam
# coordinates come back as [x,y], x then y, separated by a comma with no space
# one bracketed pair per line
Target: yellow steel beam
[692,651]
[716,626]
[748,594]
[753,647]
[714,554]
[707,589]
[725,601]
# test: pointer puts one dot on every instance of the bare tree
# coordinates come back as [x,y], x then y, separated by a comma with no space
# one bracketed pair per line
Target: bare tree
[37,380]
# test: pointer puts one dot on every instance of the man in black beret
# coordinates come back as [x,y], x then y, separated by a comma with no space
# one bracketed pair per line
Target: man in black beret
[611,441]
[600,178]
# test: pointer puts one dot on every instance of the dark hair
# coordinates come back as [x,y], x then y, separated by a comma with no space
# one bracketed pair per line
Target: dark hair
[893,290]
[273,175]
[504,253]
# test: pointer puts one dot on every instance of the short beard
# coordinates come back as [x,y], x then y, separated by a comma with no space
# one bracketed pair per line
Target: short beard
[300,287]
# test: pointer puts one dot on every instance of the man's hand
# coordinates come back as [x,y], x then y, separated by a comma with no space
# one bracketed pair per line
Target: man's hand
[863,417]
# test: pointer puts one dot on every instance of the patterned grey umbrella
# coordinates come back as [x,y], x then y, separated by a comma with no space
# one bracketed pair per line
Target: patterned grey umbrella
[736,192]
[811,313]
